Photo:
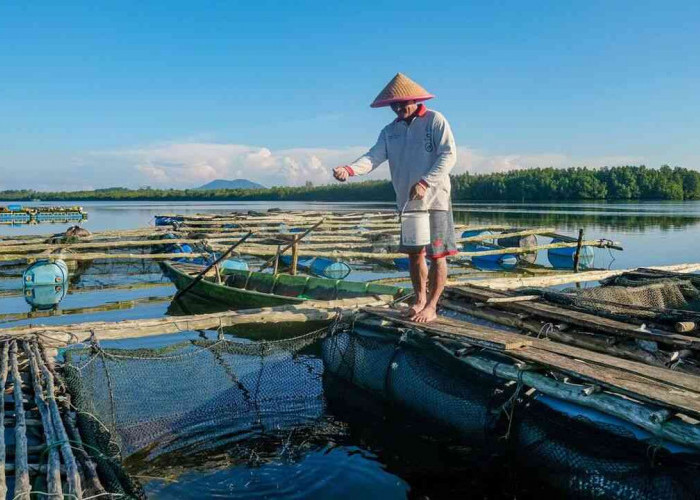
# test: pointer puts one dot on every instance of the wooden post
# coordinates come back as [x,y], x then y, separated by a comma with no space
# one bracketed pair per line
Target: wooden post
[577,255]
[277,260]
[3,382]
[296,239]
[75,488]
[295,256]
[218,273]
[22,485]
[53,473]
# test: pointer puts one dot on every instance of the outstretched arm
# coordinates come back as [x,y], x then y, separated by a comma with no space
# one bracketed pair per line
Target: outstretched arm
[365,163]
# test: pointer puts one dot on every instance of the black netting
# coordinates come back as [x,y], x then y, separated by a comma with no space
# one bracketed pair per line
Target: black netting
[583,459]
[406,376]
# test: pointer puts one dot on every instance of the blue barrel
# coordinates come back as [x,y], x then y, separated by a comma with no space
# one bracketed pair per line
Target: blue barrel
[329,268]
[473,246]
[165,220]
[487,262]
[492,262]
[45,272]
[234,264]
[43,297]
[563,258]
[319,266]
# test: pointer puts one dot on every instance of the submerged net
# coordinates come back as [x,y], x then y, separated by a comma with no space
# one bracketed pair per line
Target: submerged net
[189,400]
[194,395]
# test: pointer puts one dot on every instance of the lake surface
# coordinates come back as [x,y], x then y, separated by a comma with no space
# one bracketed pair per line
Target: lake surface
[358,446]
[652,233]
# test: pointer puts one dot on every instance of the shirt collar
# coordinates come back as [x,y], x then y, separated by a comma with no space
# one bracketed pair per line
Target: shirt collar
[420,112]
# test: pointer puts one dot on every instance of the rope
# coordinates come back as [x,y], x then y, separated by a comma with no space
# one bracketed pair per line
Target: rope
[509,406]
[546,329]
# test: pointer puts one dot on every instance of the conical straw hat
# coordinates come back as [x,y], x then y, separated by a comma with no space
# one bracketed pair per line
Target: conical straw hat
[401,88]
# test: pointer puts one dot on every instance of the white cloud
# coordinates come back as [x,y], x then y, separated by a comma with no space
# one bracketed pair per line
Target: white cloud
[191,164]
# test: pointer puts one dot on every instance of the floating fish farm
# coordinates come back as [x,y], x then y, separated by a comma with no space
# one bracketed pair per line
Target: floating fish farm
[18,214]
[591,391]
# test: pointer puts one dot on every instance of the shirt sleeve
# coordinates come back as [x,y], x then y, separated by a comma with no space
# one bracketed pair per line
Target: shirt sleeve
[444,143]
[371,159]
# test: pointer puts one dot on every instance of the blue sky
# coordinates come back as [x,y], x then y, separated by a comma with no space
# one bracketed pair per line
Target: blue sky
[96,94]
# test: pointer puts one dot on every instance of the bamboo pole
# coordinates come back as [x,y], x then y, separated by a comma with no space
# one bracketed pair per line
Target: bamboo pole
[264,251]
[295,257]
[3,383]
[560,279]
[61,335]
[93,486]
[22,486]
[49,247]
[577,254]
[94,256]
[53,470]
[72,476]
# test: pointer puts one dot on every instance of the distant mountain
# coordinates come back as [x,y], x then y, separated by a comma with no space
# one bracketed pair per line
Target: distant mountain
[234,184]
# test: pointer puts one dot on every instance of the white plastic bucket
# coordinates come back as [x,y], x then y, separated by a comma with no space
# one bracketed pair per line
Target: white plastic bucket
[415,227]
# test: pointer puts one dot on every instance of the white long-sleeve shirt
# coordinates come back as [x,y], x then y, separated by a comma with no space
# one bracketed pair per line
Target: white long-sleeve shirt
[422,149]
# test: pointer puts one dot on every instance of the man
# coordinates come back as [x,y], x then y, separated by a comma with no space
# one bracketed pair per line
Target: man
[421,152]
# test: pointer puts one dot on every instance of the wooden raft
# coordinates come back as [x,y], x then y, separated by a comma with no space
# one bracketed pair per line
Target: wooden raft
[660,386]
[589,321]
[27,374]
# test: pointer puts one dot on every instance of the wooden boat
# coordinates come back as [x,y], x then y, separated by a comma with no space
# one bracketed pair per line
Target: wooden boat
[249,289]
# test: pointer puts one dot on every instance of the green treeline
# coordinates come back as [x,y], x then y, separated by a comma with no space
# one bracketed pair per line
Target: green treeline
[552,184]
[537,184]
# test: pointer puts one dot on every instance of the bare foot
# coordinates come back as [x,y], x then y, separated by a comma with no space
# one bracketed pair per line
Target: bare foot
[415,308]
[425,315]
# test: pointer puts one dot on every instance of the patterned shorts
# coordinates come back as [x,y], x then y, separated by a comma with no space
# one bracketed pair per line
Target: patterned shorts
[442,236]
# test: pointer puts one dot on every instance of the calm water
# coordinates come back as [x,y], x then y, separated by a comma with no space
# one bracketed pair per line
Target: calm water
[652,233]
[367,448]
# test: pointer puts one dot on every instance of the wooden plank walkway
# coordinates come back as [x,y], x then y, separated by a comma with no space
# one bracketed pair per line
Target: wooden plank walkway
[679,391]
[589,321]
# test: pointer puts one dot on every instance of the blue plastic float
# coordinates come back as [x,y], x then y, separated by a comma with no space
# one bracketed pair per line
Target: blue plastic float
[44,297]
[319,266]
[45,272]
[166,220]
[563,258]
[487,262]
[234,264]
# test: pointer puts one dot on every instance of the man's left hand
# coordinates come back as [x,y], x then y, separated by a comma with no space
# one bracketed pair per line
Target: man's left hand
[418,191]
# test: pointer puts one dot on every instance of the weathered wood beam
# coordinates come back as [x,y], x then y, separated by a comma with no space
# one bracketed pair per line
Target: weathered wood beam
[61,335]
[561,279]
[22,485]
[53,470]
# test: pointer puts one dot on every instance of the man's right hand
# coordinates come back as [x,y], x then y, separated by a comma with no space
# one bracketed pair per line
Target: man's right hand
[341,173]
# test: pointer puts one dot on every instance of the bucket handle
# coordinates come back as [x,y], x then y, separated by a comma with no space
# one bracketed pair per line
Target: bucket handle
[403,209]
